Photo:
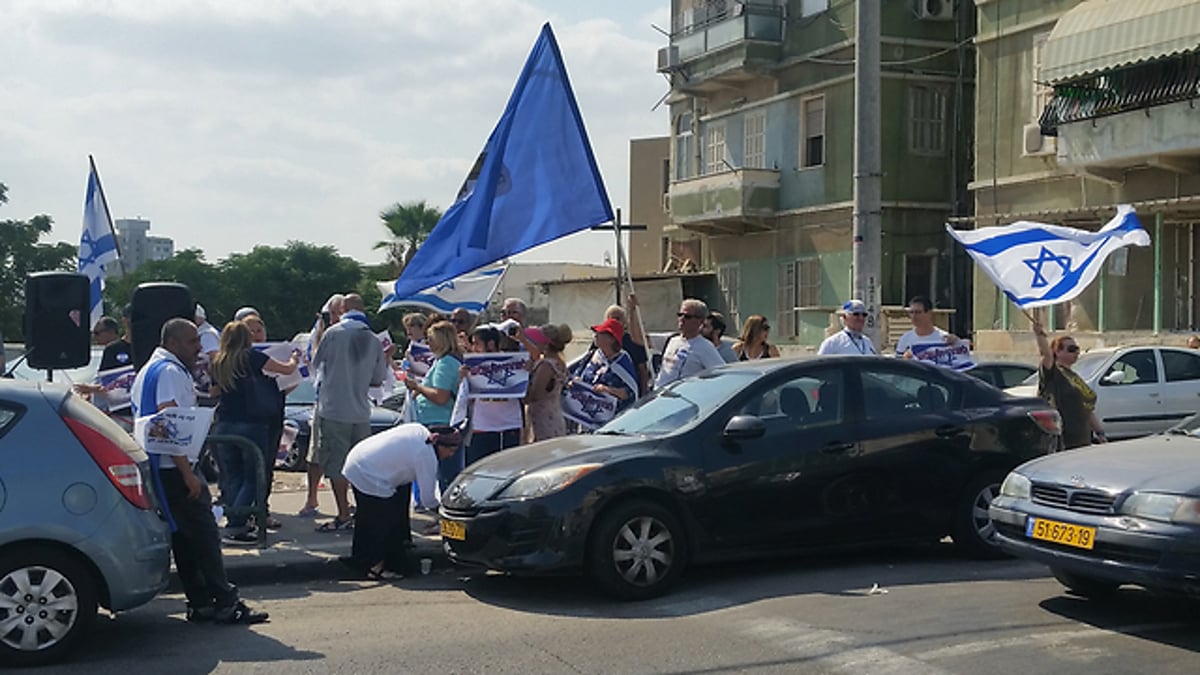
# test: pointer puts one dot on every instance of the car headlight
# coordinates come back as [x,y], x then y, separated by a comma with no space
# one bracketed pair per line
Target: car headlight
[1163,507]
[1016,486]
[546,481]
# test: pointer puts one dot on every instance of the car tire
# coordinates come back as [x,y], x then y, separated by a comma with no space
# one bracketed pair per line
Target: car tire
[62,593]
[637,550]
[1085,586]
[973,531]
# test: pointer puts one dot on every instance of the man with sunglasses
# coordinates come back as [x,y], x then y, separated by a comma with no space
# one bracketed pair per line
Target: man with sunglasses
[688,353]
[923,334]
[851,339]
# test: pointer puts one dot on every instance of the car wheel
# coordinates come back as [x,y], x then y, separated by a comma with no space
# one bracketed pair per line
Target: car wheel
[47,599]
[974,533]
[637,550]
[1088,587]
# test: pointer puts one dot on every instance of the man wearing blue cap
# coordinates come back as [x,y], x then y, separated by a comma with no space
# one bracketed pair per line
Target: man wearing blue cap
[851,339]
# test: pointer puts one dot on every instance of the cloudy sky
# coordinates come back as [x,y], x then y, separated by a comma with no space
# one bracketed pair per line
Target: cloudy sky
[232,123]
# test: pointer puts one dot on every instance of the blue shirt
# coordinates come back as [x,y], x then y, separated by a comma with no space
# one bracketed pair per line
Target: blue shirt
[442,375]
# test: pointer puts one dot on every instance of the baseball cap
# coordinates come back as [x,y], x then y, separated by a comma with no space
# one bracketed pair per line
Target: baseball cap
[612,327]
[854,307]
[244,312]
[200,313]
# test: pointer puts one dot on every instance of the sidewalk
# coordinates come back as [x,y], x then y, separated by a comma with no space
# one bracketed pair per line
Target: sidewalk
[296,552]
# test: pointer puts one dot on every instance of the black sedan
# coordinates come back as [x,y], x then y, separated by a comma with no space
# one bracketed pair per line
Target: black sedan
[1113,514]
[298,413]
[746,460]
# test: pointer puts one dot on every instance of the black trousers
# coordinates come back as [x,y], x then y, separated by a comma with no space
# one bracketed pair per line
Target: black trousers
[382,531]
[196,544]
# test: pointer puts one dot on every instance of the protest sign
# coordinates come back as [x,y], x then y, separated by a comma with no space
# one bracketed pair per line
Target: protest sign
[174,431]
[282,351]
[117,383]
[498,374]
[955,357]
[587,407]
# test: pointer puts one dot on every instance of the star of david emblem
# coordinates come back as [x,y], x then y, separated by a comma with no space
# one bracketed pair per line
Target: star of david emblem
[590,406]
[1046,256]
[499,376]
[444,285]
[87,248]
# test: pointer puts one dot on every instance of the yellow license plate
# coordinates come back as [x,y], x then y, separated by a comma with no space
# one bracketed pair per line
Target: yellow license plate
[1061,533]
[454,530]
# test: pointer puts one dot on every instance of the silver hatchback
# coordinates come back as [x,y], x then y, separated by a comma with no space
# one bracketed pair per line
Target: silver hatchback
[79,524]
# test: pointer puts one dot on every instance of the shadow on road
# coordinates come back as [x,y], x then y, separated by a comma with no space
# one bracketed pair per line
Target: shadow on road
[1137,613]
[713,587]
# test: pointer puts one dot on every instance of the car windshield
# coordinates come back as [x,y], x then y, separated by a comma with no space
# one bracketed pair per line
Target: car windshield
[1085,367]
[303,394]
[679,404]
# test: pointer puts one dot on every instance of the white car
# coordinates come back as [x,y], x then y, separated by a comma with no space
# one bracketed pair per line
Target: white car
[1140,390]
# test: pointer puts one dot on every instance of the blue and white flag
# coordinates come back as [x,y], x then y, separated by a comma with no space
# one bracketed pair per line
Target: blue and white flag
[535,181]
[1036,264]
[955,357]
[583,405]
[498,374]
[471,292]
[98,245]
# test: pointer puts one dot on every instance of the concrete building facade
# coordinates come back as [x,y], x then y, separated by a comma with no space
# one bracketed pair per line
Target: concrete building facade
[137,247]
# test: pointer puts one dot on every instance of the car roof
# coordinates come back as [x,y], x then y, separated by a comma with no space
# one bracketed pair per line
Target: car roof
[22,391]
[765,366]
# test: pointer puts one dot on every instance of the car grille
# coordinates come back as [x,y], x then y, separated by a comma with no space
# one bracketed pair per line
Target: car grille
[1073,499]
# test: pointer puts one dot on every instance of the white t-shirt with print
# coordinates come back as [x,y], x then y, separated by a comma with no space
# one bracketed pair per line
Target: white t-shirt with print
[684,358]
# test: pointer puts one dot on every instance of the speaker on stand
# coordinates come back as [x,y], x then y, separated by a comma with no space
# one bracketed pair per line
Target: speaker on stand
[152,305]
[57,318]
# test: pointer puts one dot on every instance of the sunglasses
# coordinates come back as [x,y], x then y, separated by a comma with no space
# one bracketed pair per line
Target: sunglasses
[1071,348]
[766,327]
[915,311]
[684,315]
[858,314]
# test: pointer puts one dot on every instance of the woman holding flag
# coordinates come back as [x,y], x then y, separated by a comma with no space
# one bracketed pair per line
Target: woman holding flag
[607,368]
[1065,390]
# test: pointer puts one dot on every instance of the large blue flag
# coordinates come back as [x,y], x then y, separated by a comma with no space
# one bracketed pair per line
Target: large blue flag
[98,245]
[535,181]
[1036,264]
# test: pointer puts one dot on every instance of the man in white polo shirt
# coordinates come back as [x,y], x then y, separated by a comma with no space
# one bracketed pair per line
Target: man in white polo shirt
[851,339]
[164,382]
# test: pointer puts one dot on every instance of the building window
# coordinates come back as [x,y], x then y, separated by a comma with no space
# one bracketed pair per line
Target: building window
[729,277]
[754,127]
[683,147]
[808,282]
[810,7]
[920,274]
[1042,92]
[927,121]
[785,300]
[714,147]
[812,130]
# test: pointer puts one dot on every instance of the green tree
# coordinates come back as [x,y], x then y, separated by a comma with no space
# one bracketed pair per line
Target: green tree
[21,253]
[187,267]
[409,223]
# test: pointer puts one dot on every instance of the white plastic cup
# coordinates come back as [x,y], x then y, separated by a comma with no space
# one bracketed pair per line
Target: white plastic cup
[426,565]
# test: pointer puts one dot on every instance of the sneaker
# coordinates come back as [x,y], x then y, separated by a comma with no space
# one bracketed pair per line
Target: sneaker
[241,614]
[240,539]
[273,523]
[201,614]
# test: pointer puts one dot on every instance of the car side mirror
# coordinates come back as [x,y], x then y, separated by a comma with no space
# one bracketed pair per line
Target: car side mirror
[1115,377]
[745,427]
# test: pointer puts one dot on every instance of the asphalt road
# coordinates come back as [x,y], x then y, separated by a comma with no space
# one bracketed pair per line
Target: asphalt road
[931,613]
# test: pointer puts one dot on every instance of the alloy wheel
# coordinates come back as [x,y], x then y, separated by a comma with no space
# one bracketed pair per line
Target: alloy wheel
[643,551]
[38,608]
[979,512]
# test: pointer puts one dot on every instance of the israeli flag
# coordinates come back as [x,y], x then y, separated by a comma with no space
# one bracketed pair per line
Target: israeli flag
[1036,264]
[471,292]
[98,245]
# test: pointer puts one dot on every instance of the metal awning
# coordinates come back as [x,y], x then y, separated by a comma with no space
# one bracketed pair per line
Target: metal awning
[1101,35]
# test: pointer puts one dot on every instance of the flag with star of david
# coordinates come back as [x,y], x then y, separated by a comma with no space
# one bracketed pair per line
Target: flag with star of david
[97,245]
[472,292]
[1036,264]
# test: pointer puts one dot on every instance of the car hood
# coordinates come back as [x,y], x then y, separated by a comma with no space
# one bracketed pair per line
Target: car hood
[1163,463]
[562,451]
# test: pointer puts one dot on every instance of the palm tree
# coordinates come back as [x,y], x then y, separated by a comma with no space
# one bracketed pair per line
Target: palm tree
[409,224]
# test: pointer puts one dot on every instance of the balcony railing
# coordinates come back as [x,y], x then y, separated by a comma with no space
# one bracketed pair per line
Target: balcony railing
[746,21]
[1145,86]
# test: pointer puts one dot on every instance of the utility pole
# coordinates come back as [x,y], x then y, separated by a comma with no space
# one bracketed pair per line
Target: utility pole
[868,169]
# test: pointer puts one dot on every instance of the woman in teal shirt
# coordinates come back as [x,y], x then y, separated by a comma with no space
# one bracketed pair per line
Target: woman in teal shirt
[435,394]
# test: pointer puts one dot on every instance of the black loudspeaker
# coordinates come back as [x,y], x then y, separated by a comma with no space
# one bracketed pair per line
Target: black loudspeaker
[57,314]
[152,305]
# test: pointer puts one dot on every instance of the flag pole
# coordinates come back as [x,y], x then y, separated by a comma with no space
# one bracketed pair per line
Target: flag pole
[628,278]
[107,213]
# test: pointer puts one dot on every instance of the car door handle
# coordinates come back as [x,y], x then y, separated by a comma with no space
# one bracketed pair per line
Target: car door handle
[948,431]
[1153,395]
[836,447]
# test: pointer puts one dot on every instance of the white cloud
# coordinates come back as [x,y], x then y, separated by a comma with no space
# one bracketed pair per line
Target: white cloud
[231,123]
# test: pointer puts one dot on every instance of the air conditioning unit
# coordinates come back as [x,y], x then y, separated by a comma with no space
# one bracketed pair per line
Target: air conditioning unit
[666,202]
[935,10]
[668,59]
[1035,144]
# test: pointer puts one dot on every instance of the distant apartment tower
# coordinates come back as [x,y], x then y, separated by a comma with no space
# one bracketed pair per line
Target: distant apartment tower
[138,248]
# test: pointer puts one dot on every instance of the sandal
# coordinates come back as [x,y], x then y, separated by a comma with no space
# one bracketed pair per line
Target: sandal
[384,575]
[308,512]
[336,525]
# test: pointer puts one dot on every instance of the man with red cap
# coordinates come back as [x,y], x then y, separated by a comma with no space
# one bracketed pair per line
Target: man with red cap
[607,368]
